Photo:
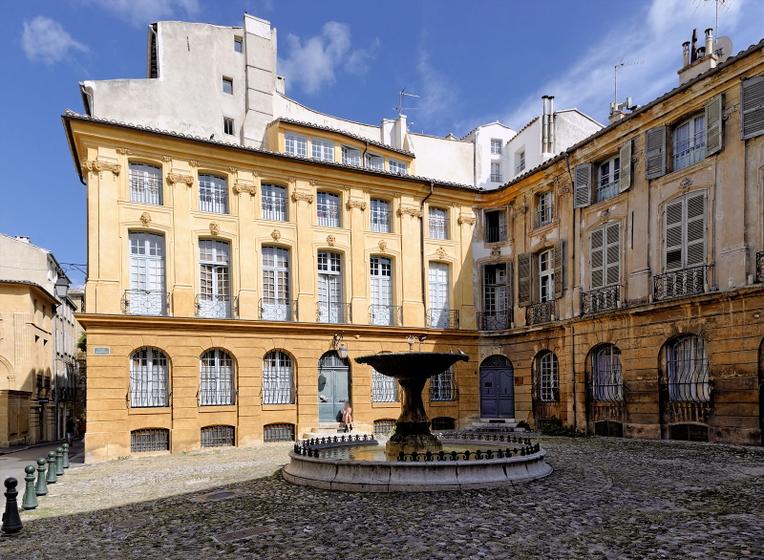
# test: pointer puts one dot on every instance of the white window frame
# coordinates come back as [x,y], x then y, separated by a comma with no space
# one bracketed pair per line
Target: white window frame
[149,369]
[375,161]
[381,280]
[214,279]
[495,172]
[145,183]
[330,288]
[322,149]
[439,287]
[608,178]
[496,146]
[277,303]
[544,208]
[238,44]
[328,209]
[692,149]
[213,193]
[380,215]
[519,161]
[227,85]
[438,222]
[546,275]
[549,377]
[273,203]
[230,131]
[296,144]
[216,378]
[147,274]
[397,166]
[351,156]
[384,389]
[278,378]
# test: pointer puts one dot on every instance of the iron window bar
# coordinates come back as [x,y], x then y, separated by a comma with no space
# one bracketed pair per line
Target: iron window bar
[333,312]
[601,299]
[278,432]
[760,266]
[218,436]
[495,320]
[145,302]
[278,309]
[386,315]
[539,313]
[443,386]
[213,306]
[149,439]
[384,389]
[383,427]
[442,318]
[680,283]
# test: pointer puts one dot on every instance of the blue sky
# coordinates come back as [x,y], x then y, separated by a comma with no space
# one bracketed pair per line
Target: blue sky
[470,62]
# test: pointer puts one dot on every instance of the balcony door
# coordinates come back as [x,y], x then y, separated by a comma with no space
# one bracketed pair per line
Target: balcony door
[381,291]
[330,304]
[147,294]
[214,279]
[439,295]
[276,304]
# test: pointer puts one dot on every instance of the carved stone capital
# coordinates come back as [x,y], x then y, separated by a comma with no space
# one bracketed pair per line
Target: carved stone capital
[97,166]
[302,195]
[412,211]
[356,203]
[146,219]
[244,187]
[180,178]
[466,219]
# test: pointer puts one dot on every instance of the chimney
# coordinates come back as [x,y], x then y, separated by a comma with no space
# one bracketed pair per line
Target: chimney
[696,60]
[709,40]
[685,54]
[550,128]
[544,124]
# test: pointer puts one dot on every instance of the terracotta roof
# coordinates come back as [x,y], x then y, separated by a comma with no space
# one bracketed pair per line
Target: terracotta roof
[345,133]
[72,115]
[33,285]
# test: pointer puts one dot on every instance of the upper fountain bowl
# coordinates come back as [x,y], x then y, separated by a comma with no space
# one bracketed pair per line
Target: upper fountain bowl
[408,364]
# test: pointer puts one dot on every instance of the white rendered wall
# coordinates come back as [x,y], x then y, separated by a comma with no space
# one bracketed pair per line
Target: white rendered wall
[438,158]
[482,136]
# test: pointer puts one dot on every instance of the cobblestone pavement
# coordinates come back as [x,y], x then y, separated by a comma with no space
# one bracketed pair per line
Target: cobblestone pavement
[607,499]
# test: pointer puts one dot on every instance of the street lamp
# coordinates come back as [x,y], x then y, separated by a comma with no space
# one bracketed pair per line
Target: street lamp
[62,286]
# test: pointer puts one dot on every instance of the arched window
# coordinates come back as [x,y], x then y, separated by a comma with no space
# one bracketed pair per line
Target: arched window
[217,378]
[218,436]
[443,386]
[548,371]
[148,378]
[607,376]
[687,370]
[277,378]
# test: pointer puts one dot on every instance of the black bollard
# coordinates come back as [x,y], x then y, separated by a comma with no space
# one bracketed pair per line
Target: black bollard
[29,501]
[11,520]
[52,468]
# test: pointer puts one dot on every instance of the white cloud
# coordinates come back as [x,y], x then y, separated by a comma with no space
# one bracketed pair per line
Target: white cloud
[45,40]
[142,12]
[438,96]
[313,63]
[650,46]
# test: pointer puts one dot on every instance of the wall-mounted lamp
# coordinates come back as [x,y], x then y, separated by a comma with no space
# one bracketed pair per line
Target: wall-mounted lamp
[339,346]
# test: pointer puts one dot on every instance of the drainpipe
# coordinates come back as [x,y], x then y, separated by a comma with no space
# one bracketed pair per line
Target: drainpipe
[421,249]
[550,125]
[572,303]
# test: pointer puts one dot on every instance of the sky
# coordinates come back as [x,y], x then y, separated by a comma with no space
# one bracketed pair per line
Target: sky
[470,62]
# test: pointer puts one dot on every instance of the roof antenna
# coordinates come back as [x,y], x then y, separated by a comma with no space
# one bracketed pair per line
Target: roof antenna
[621,64]
[400,108]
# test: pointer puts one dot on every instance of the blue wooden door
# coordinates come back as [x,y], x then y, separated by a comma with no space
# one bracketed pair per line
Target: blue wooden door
[333,387]
[497,388]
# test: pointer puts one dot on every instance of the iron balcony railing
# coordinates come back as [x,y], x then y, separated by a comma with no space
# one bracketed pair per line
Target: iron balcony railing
[540,313]
[214,306]
[442,318]
[760,266]
[333,312]
[601,299]
[389,315]
[278,309]
[494,320]
[680,283]
[145,302]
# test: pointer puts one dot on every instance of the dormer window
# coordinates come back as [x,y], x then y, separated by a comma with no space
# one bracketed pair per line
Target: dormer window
[351,156]
[295,145]
[397,167]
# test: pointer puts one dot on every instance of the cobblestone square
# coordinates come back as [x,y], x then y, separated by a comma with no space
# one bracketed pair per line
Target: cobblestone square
[607,498]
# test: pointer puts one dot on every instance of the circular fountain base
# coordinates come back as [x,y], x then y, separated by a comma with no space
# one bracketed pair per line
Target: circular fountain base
[410,437]
[415,476]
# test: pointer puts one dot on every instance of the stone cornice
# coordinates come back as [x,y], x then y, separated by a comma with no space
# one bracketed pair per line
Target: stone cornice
[302,195]
[97,165]
[179,178]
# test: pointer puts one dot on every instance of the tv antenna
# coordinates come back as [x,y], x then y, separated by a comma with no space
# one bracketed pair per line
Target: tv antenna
[402,95]
[716,13]
[622,64]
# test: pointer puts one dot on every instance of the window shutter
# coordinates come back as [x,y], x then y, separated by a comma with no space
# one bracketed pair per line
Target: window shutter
[612,252]
[696,230]
[714,125]
[508,291]
[673,242]
[655,152]
[625,172]
[582,187]
[559,280]
[598,262]
[503,225]
[524,279]
[752,107]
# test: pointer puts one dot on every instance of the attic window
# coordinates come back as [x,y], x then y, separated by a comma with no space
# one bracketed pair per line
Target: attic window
[228,125]
[228,85]
[238,44]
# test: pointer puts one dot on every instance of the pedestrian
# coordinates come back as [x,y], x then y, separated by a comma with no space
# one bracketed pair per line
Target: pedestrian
[347,417]
[70,430]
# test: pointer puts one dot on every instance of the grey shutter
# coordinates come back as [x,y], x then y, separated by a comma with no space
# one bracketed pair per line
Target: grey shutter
[714,125]
[625,172]
[612,251]
[508,291]
[673,241]
[582,185]
[752,107]
[503,225]
[696,230]
[655,152]
[524,279]
[597,268]
[559,268]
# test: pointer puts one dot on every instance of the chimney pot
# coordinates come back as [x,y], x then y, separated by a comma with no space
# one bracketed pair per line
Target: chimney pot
[709,41]
[685,53]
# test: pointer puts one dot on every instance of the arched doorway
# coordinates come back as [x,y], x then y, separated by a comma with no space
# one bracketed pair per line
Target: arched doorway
[605,402]
[333,386]
[497,388]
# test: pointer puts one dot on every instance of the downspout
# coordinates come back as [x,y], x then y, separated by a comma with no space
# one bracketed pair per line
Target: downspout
[421,248]
[572,303]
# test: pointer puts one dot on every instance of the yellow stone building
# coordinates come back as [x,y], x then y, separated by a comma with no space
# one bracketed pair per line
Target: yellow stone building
[616,287]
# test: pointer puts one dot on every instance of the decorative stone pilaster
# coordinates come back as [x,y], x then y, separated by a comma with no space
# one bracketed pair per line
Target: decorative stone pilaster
[356,203]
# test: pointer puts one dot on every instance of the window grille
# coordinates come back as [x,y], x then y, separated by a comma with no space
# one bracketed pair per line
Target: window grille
[687,368]
[443,423]
[380,215]
[296,145]
[274,203]
[148,378]
[145,184]
[278,432]
[689,142]
[213,194]
[397,167]
[549,377]
[609,178]
[443,386]
[607,375]
[351,156]
[383,427]
[438,223]
[322,150]
[328,209]
[383,388]
[495,172]
[277,378]
[149,439]
[218,436]
[217,378]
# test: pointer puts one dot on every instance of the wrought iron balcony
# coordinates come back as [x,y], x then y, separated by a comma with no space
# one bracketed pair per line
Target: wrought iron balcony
[680,283]
[278,309]
[495,320]
[442,318]
[760,266]
[540,313]
[214,306]
[333,312]
[388,315]
[601,299]
[145,302]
